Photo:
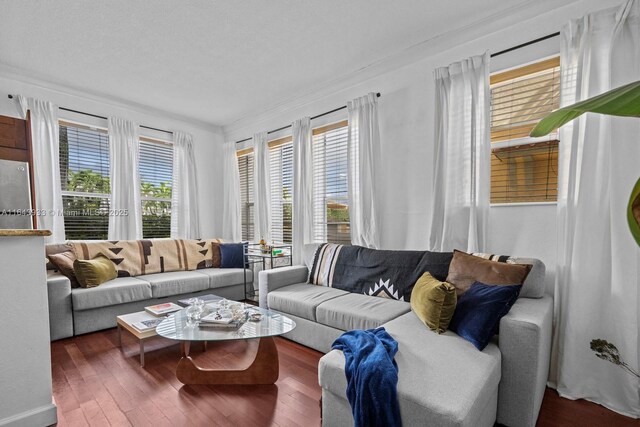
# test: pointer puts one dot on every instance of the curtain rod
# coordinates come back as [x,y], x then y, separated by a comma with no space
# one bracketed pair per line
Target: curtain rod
[104,118]
[312,118]
[548,36]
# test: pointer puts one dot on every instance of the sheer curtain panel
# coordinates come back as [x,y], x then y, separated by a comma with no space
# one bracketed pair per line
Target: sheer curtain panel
[232,210]
[364,156]
[597,276]
[302,187]
[125,216]
[185,220]
[46,165]
[462,156]
[261,188]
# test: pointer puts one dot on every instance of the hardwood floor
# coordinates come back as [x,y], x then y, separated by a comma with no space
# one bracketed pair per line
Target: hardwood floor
[96,384]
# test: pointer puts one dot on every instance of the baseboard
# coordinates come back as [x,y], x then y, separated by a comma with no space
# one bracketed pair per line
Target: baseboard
[42,416]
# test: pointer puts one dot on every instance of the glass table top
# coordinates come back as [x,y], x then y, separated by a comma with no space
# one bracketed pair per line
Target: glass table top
[178,327]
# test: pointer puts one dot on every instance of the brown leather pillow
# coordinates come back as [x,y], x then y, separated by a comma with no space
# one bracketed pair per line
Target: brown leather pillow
[217,258]
[466,269]
[64,262]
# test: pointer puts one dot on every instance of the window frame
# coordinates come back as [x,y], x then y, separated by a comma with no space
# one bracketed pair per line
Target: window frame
[521,70]
[143,198]
[247,206]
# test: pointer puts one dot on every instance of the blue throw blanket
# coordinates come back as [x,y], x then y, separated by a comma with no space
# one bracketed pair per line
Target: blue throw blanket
[372,376]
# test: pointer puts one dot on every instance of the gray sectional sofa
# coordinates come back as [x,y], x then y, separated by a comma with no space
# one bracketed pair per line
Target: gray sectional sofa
[81,310]
[443,379]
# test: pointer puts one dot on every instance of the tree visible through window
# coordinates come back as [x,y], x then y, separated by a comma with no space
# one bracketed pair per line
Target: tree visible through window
[524,169]
[330,184]
[84,178]
[156,177]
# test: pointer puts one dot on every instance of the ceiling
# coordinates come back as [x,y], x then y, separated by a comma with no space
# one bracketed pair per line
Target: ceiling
[217,60]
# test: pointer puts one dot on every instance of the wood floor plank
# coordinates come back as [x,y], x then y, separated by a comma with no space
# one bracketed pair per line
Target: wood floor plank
[96,384]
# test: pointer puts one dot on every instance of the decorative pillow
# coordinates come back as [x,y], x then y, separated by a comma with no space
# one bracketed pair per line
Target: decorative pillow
[324,262]
[493,257]
[433,302]
[232,255]
[94,272]
[479,311]
[465,269]
[64,263]
[215,254]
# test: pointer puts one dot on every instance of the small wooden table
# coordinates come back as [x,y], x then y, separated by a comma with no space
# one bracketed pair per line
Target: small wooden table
[259,365]
[126,321]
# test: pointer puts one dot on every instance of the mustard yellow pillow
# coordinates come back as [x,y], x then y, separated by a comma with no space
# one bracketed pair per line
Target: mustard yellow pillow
[433,302]
[93,272]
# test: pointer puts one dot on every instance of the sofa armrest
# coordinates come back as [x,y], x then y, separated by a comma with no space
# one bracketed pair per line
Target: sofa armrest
[525,344]
[270,280]
[60,306]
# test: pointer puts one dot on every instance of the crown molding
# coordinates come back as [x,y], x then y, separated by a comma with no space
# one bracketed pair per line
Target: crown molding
[30,78]
[456,37]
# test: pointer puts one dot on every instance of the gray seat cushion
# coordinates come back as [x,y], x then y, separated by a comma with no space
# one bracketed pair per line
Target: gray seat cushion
[117,291]
[175,282]
[357,311]
[441,378]
[221,277]
[301,299]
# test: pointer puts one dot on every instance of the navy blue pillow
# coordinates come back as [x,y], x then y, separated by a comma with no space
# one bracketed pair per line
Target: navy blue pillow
[479,311]
[232,255]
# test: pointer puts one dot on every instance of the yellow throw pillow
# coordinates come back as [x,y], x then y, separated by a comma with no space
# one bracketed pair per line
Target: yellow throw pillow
[433,302]
[91,273]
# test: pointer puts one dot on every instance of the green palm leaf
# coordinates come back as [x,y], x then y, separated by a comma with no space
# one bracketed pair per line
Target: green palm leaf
[633,212]
[623,101]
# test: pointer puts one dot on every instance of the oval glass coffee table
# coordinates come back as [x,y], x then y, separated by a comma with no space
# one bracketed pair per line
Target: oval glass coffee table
[261,354]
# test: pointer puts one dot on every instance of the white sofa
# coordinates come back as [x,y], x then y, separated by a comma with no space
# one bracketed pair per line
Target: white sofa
[443,379]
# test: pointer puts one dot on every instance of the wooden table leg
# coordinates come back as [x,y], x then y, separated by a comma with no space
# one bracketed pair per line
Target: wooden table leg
[142,353]
[262,369]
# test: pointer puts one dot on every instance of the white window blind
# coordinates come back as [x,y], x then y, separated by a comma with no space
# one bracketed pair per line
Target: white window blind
[281,170]
[524,169]
[330,184]
[245,166]
[156,177]
[84,176]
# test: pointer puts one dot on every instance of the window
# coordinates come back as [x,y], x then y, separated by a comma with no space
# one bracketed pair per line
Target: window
[156,177]
[524,169]
[84,177]
[281,170]
[245,166]
[330,184]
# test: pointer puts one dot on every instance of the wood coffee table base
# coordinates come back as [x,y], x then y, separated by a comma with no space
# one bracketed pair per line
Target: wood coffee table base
[263,368]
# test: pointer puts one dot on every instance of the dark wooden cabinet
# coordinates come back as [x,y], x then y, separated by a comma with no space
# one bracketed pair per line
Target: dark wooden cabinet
[14,139]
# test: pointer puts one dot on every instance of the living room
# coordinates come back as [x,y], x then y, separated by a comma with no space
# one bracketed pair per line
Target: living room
[423,111]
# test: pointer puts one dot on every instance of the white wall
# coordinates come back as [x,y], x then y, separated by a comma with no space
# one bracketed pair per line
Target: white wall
[406,126]
[207,138]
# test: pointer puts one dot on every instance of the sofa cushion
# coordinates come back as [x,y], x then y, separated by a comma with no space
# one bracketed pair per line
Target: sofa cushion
[442,378]
[357,311]
[117,291]
[176,282]
[301,299]
[221,277]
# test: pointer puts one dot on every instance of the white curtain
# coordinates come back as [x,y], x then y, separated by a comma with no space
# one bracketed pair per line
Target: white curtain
[302,187]
[261,188]
[125,219]
[597,280]
[462,156]
[231,203]
[185,220]
[364,157]
[45,140]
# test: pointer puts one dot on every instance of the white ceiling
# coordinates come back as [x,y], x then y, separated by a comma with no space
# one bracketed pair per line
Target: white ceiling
[217,60]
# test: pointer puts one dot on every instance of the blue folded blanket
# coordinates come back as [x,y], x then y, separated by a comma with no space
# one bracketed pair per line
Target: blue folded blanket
[372,376]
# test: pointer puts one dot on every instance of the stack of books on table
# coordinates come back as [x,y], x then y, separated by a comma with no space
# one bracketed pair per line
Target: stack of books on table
[162,309]
[217,321]
[145,325]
